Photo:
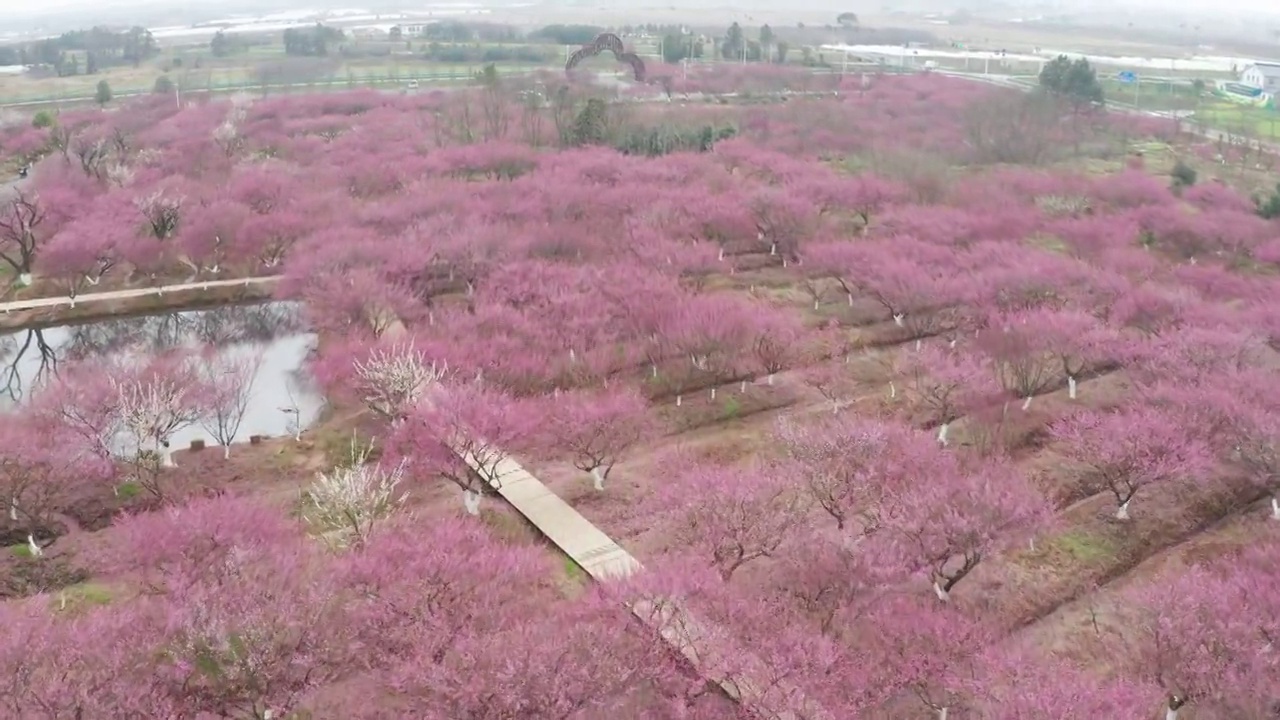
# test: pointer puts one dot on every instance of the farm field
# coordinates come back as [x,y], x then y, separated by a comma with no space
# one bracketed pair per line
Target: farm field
[942,400]
[246,76]
[1259,122]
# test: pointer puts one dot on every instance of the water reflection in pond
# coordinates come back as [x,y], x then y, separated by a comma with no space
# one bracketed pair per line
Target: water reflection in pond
[283,397]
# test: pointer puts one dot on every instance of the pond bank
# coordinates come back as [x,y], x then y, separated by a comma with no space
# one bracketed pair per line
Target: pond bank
[143,301]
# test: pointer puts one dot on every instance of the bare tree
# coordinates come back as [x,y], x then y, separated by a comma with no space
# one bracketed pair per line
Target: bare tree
[494,103]
[531,116]
[1017,129]
[228,383]
[20,220]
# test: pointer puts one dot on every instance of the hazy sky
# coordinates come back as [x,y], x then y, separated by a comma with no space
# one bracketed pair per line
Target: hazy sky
[28,10]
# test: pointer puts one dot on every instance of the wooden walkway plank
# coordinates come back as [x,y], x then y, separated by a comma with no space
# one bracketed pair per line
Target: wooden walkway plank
[577,537]
[603,559]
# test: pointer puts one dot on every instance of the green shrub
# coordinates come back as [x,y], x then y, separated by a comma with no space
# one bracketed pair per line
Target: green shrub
[731,408]
[1269,207]
[1183,175]
[129,490]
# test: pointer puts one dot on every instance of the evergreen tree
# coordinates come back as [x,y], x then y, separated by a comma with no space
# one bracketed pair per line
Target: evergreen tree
[220,46]
[734,42]
[1074,81]
[675,47]
[589,125]
[103,95]
[767,41]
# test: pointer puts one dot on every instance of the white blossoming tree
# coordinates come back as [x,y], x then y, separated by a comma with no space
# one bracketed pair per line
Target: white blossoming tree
[347,502]
[153,405]
[392,381]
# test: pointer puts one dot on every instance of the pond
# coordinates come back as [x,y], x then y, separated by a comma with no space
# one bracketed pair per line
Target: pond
[283,399]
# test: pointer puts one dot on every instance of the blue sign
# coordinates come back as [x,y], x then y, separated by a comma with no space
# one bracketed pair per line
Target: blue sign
[1127,76]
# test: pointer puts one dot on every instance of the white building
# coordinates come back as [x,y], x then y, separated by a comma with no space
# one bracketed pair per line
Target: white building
[1263,75]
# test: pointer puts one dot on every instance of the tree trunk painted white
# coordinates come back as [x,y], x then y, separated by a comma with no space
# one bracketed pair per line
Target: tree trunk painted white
[815,304]
[721,258]
[1026,403]
[72,302]
[24,280]
[471,289]
[1031,544]
[942,433]
[1071,387]
[898,319]
[850,296]
[13,508]
[471,501]
[573,357]
[226,451]
[653,370]
[597,479]
[784,262]
[431,317]
[918,341]
[166,455]
[769,380]
[943,594]
[713,393]
[1122,512]
[1275,508]
[893,390]
[33,546]
[743,387]
[773,249]
[942,714]
[1171,713]
[679,400]
[953,343]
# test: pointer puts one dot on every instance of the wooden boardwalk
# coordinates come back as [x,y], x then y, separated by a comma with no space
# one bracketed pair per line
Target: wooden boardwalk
[597,553]
[604,559]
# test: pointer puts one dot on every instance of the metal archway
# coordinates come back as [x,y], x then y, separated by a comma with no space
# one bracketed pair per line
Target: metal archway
[612,43]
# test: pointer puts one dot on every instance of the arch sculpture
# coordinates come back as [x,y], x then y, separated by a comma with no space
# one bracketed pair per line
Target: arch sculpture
[612,43]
